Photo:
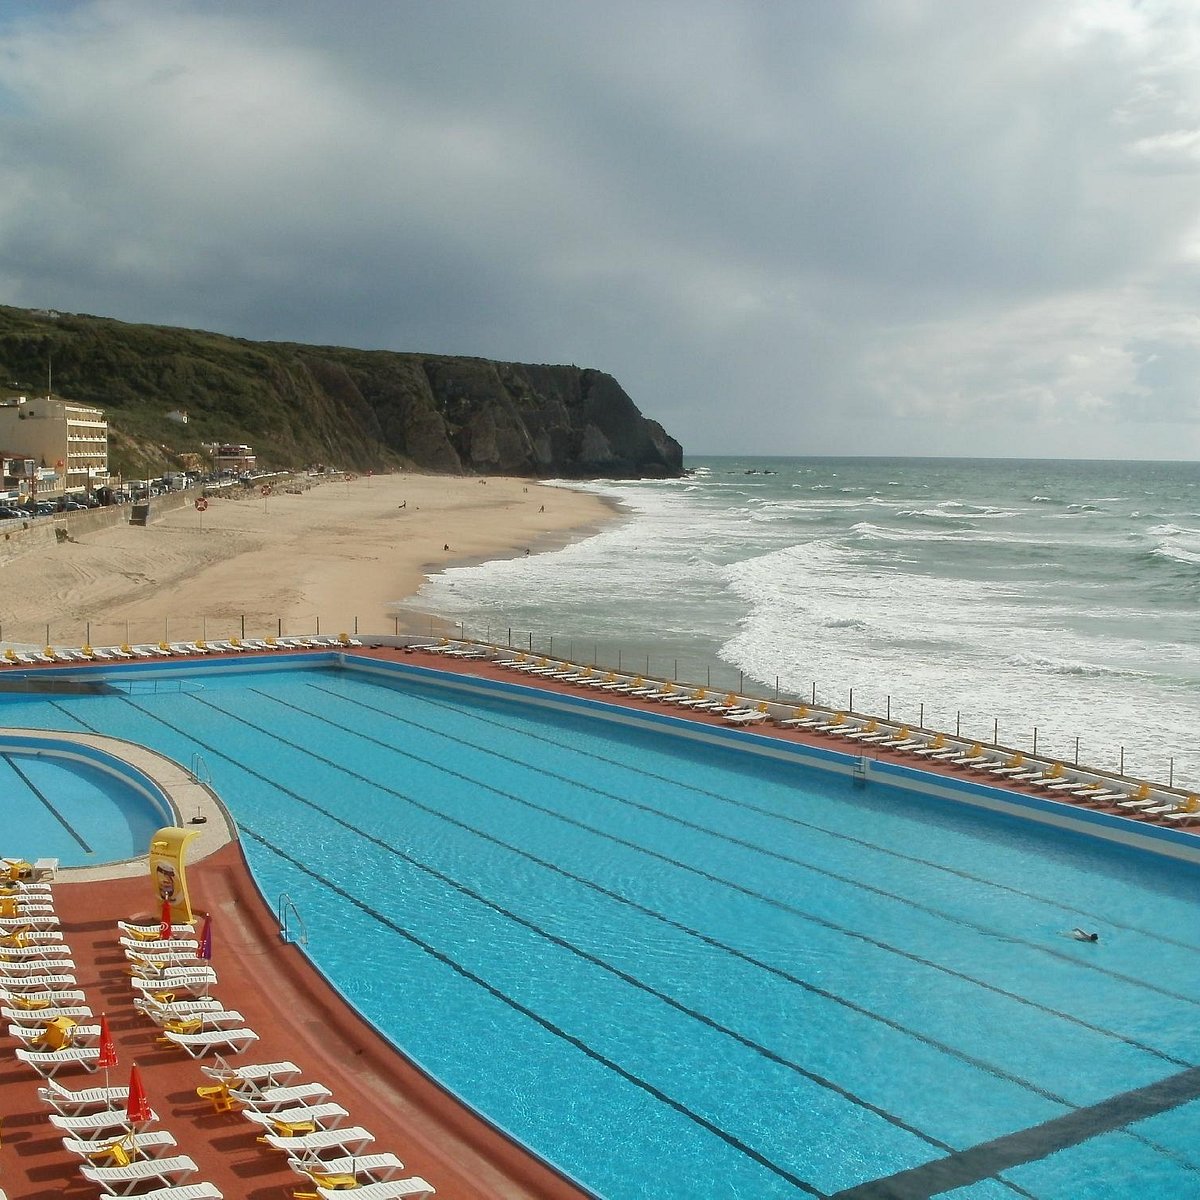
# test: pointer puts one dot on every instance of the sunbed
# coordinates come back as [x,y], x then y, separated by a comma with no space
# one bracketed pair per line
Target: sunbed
[44,952]
[1187,812]
[38,1000]
[233,1041]
[378,1168]
[28,1017]
[72,1103]
[35,983]
[35,1038]
[97,1124]
[863,731]
[260,1075]
[48,1063]
[25,967]
[744,716]
[396,1189]
[149,1144]
[198,1021]
[118,652]
[274,1099]
[198,980]
[308,1118]
[185,1191]
[126,1180]
[155,947]
[350,1140]
[149,933]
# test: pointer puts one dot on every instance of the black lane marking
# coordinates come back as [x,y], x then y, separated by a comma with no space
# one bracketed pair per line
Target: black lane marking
[1167,1151]
[48,806]
[770,901]
[659,1095]
[986,1160]
[1058,1014]
[753,847]
[786,818]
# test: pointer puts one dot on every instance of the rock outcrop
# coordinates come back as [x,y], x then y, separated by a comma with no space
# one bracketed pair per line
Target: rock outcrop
[358,408]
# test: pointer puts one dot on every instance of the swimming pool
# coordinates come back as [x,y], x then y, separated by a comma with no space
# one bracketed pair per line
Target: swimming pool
[675,970]
[75,804]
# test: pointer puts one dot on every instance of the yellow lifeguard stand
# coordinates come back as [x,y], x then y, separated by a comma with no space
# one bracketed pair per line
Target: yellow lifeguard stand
[167,871]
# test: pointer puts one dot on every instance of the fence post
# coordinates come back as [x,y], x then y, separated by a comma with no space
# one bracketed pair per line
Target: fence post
[995,731]
[279,624]
[776,687]
[1171,772]
[355,626]
[741,682]
[676,675]
[510,637]
[958,724]
[1077,752]
[889,708]
[531,641]
[814,699]
[922,714]
[708,675]
[244,625]
[318,621]
[851,700]
[1035,741]
[1122,771]
[396,630]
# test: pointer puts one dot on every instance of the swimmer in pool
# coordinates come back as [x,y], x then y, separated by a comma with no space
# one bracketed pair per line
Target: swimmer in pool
[1082,935]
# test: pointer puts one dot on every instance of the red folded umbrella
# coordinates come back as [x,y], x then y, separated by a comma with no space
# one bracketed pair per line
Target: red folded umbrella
[164,928]
[108,1048]
[205,951]
[137,1106]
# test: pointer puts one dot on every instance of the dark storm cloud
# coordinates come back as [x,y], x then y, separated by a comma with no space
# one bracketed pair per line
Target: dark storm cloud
[828,227]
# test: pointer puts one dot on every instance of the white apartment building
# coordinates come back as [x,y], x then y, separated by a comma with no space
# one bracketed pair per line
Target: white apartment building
[67,438]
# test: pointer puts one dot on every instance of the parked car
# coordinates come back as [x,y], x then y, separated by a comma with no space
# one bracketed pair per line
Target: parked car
[13,514]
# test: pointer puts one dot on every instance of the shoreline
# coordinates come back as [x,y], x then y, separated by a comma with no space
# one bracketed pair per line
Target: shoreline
[407,618]
[330,557]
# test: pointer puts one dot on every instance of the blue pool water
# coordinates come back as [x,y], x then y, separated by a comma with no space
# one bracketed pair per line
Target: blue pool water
[677,970]
[70,810]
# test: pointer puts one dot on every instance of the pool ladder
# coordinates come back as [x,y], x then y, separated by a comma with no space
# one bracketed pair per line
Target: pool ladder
[287,908]
[200,771]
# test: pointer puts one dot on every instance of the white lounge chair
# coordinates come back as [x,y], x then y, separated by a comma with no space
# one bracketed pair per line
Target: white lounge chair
[195,1045]
[256,1075]
[72,1103]
[322,1116]
[195,981]
[149,933]
[378,1168]
[29,1017]
[199,1020]
[350,1140]
[184,1191]
[125,1180]
[36,983]
[38,1000]
[47,1063]
[156,1008]
[151,1143]
[32,1038]
[396,1189]
[45,952]
[156,948]
[151,651]
[117,652]
[275,1099]
[23,968]
[97,1124]
[35,921]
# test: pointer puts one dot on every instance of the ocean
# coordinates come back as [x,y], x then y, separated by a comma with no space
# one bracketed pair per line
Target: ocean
[1009,600]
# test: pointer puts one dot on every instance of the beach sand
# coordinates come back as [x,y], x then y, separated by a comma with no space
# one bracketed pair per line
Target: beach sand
[338,555]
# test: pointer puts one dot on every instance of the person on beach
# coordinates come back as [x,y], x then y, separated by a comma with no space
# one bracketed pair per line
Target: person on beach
[1082,935]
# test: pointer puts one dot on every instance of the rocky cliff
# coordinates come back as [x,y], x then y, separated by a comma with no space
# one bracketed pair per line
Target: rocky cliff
[357,408]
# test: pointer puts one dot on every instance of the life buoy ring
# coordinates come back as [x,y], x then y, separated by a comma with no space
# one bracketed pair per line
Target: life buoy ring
[266,489]
[201,503]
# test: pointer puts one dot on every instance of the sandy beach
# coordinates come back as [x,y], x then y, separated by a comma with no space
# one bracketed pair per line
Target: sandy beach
[337,555]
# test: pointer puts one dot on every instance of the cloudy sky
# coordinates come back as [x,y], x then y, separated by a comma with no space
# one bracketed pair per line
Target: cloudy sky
[966,227]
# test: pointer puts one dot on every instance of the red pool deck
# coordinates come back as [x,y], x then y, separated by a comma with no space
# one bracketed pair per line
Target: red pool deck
[298,1017]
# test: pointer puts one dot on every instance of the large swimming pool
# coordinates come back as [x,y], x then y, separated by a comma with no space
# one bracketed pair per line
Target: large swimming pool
[680,971]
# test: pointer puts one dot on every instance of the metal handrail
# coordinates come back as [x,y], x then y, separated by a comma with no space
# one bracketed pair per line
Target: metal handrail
[285,907]
[200,772]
